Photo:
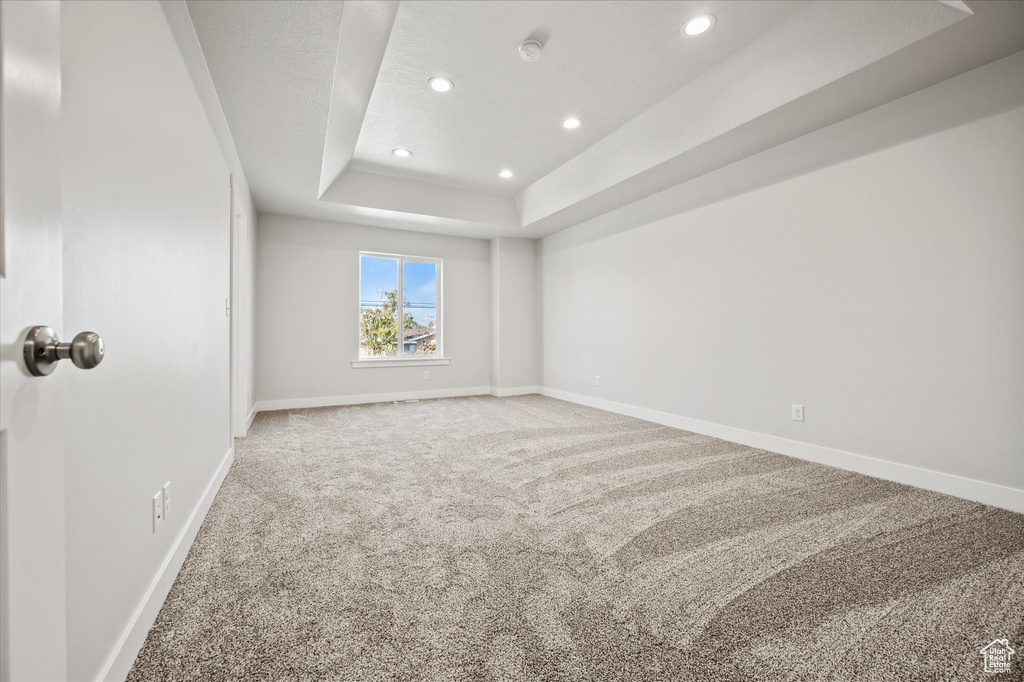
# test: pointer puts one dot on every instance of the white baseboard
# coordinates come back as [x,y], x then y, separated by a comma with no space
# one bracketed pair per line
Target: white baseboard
[121,658]
[119,662]
[248,420]
[518,390]
[332,401]
[950,484]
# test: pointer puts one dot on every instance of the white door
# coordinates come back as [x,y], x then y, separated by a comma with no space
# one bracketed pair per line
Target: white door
[239,352]
[32,593]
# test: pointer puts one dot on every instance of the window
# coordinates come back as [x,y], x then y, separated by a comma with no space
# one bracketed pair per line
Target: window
[393,327]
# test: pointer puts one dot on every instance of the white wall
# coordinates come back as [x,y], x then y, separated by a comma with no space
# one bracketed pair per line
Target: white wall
[307,313]
[885,293]
[146,252]
[243,290]
[515,340]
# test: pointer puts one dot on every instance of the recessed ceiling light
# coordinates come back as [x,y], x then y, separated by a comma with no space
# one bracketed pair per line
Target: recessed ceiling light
[506,174]
[698,24]
[440,84]
[401,153]
[571,123]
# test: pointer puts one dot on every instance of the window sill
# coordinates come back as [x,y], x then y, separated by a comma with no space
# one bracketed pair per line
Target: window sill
[399,362]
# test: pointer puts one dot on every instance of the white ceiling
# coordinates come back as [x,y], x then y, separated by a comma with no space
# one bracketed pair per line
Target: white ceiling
[273,65]
[604,62]
[317,95]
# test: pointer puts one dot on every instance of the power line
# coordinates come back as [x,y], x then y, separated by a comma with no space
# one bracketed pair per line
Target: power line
[408,304]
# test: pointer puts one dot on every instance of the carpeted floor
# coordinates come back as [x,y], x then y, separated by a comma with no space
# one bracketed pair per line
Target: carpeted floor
[533,539]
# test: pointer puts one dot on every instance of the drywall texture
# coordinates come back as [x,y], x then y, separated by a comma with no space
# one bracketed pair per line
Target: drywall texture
[884,293]
[307,310]
[515,345]
[243,300]
[146,201]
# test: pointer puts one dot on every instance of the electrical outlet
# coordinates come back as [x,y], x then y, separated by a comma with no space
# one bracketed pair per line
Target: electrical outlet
[798,413]
[167,499]
[158,510]
[426,374]
[597,380]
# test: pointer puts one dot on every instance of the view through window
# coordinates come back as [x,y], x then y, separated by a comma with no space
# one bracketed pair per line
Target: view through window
[385,317]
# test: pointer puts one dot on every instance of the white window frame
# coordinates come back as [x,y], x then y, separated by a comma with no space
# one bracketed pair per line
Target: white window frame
[400,359]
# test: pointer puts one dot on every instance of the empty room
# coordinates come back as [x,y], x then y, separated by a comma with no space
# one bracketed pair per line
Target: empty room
[512,340]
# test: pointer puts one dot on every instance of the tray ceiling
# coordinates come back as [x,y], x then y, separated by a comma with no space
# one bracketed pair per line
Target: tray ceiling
[317,95]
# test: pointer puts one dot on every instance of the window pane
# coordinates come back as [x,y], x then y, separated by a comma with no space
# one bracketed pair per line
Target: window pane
[378,307]
[420,283]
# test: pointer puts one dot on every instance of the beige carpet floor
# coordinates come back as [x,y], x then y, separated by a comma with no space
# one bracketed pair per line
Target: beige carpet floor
[533,539]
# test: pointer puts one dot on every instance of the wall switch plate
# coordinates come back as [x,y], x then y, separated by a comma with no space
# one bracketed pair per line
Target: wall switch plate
[426,374]
[158,510]
[597,380]
[798,413]
[167,499]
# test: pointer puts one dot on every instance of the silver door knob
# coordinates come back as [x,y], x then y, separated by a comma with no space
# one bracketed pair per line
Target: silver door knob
[43,350]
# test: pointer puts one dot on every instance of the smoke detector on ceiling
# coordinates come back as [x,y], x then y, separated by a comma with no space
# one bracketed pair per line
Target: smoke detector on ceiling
[530,50]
